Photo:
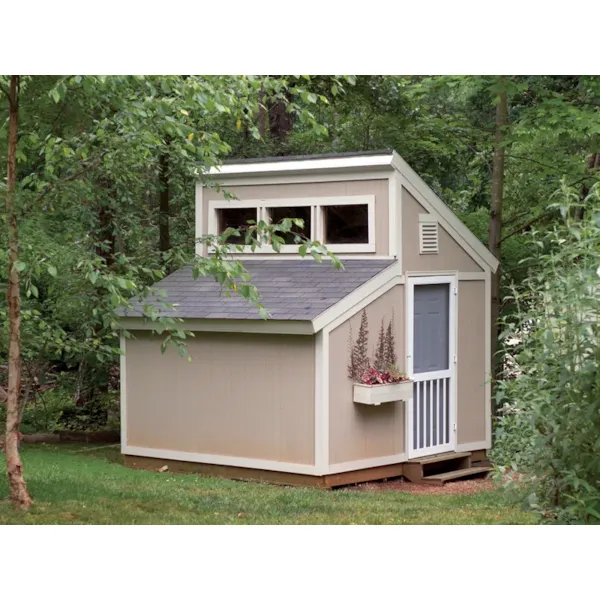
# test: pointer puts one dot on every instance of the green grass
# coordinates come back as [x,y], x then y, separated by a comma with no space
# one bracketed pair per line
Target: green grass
[73,484]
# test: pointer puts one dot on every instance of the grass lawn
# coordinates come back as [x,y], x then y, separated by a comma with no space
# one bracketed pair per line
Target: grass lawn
[73,484]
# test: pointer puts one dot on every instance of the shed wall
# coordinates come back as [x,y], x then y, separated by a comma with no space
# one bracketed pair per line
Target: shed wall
[451,257]
[290,191]
[356,431]
[242,395]
[471,362]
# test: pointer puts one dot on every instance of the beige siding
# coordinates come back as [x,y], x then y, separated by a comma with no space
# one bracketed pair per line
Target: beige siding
[471,361]
[290,191]
[451,256]
[358,431]
[242,395]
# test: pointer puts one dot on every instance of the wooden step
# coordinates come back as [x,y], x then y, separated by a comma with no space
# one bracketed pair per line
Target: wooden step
[442,478]
[427,460]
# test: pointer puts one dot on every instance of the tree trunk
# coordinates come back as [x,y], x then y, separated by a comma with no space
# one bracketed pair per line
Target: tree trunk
[262,114]
[593,164]
[495,233]
[106,244]
[164,242]
[281,121]
[14,468]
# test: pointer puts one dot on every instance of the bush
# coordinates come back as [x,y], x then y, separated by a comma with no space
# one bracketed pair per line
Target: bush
[549,429]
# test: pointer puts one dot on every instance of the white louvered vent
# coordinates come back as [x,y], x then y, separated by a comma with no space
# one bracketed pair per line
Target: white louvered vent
[428,238]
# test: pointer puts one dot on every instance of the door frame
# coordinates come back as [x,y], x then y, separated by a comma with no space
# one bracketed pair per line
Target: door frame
[410,282]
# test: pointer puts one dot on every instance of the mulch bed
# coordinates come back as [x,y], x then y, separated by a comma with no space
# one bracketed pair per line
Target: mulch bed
[399,484]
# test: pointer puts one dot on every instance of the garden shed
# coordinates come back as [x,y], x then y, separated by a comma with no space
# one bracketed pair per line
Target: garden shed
[288,399]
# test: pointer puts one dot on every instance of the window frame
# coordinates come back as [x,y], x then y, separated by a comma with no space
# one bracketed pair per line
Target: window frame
[348,201]
[317,205]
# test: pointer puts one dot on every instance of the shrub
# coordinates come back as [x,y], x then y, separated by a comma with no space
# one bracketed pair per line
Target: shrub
[549,428]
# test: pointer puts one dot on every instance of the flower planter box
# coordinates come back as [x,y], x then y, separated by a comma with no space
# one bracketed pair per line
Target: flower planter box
[387,392]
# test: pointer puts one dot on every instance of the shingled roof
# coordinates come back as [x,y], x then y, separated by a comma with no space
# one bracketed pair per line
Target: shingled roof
[295,290]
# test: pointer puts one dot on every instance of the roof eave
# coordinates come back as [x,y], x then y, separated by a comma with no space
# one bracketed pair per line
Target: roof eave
[294,167]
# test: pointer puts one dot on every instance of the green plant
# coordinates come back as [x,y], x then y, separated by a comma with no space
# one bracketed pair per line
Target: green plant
[549,429]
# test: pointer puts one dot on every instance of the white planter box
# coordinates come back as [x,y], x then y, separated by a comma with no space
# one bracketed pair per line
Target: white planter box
[387,392]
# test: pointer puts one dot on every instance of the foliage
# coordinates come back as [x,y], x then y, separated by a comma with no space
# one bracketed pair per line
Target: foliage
[379,361]
[359,352]
[390,357]
[548,432]
[90,172]
[383,369]
[391,374]
[89,159]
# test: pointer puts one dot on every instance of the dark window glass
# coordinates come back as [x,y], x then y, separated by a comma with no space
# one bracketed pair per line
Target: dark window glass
[347,224]
[292,212]
[237,218]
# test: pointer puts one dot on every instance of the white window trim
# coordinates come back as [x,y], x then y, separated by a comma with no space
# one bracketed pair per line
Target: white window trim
[347,201]
[317,221]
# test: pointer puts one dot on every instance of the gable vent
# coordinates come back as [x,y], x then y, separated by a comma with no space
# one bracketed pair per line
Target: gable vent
[428,238]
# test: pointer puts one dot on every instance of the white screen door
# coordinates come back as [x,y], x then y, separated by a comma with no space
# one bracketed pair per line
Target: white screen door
[431,363]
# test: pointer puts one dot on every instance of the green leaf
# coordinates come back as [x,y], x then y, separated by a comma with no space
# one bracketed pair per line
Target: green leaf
[52,270]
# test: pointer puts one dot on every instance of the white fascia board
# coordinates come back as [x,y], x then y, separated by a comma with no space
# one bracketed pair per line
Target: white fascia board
[457,229]
[302,166]
[365,291]
[226,325]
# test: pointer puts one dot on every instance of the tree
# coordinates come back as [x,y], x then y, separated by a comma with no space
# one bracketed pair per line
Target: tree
[546,446]
[82,175]
[495,235]
[18,489]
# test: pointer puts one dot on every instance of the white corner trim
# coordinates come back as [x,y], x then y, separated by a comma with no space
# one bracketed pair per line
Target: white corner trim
[366,463]
[453,225]
[218,459]
[393,208]
[298,166]
[488,360]
[398,233]
[470,446]
[123,389]
[228,325]
[322,402]
[199,206]
[360,297]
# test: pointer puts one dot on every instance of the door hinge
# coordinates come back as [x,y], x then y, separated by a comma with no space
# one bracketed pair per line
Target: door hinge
[454,427]
[455,291]
[454,359]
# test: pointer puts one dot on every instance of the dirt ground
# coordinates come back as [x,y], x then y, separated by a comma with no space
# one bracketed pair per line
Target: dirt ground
[399,484]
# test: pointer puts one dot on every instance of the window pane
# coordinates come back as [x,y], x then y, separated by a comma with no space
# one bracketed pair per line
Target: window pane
[348,224]
[292,212]
[236,218]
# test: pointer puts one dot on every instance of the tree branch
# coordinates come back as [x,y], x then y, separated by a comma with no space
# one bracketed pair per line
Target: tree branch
[537,162]
[83,171]
[523,227]
[4,90]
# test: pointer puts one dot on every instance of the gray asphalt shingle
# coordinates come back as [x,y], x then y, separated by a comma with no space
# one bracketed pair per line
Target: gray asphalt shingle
[298,290]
